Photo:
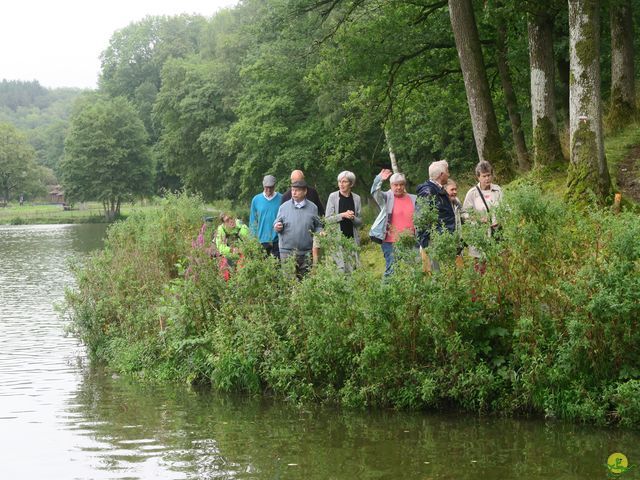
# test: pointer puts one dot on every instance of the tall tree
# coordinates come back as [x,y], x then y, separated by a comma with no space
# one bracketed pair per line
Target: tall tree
[546,142]
[510,98]
[132,63]
[105,154]
[192,139]
[17,161]
[483,118]
[623,93]
[588,171]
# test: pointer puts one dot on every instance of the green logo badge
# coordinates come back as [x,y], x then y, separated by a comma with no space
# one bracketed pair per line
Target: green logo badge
[617,464]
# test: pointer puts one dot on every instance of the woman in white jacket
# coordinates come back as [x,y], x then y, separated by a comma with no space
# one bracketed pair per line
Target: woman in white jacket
[483,198]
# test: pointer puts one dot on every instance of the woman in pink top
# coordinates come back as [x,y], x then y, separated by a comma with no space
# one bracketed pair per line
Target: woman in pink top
[398,207]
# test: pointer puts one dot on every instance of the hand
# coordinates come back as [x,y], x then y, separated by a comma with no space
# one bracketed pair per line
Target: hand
[385,173]
[278,226]
[349,215]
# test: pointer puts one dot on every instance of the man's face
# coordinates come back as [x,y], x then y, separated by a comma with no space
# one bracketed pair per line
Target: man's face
[444,177]
[398,189]
[298,193]
[269,191]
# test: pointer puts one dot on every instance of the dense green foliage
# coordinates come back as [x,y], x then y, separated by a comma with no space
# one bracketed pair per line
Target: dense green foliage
[549,329]
[41,113]
[275,85]
[18,171]
[106,154]
[271,86]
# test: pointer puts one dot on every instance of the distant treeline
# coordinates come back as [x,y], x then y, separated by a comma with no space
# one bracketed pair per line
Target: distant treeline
[41,113]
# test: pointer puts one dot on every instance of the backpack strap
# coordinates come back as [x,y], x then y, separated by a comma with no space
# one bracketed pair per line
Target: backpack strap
[482,197]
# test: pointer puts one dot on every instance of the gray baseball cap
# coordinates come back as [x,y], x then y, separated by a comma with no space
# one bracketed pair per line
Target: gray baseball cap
[269,181]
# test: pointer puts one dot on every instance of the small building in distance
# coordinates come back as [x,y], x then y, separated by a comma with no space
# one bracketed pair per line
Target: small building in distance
[56,194]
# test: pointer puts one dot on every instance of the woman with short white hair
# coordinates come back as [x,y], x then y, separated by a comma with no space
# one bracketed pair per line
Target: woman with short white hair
[396,214]
[344,207]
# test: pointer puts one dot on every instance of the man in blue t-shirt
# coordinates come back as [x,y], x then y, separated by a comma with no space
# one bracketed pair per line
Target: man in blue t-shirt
[264,209]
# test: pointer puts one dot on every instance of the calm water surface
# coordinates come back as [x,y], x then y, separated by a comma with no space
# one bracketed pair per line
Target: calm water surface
[61,419]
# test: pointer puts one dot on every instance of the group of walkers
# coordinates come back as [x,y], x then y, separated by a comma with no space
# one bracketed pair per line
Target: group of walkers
[287,224]
[398,209]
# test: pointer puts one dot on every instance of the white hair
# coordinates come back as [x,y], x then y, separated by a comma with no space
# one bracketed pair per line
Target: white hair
[350,176]
[397,178]
[437,168]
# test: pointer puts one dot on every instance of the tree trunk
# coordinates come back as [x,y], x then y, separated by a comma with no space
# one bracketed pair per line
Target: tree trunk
[563,69]
[510,99]
[483,116]
[109,212]
[623,93]
[546,142]
[588,172]
[392,153]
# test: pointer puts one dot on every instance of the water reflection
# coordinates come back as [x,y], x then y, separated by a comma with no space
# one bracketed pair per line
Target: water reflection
[61,419]
[207,436]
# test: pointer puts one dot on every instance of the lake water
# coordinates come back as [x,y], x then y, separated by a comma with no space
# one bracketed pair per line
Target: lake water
[62,419]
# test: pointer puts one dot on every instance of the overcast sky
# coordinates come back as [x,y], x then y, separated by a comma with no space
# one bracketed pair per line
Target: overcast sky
[58,42]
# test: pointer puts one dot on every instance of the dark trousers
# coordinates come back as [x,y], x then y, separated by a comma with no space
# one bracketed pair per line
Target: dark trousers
[272,248]
[303,262]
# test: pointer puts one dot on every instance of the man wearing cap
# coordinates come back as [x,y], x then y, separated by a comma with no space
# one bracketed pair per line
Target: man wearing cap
[297,219]
[264,210]
[312,193]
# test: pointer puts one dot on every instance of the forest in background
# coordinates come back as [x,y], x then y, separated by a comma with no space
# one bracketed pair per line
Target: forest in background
[327,85]
[41,113]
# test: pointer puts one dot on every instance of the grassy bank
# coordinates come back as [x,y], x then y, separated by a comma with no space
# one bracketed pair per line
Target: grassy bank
[92,212]
[551,329]
[15,214]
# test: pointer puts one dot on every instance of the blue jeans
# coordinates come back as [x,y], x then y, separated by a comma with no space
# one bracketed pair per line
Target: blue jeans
[387,251]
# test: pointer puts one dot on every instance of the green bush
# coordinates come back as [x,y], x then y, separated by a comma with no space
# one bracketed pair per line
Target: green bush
[550,329]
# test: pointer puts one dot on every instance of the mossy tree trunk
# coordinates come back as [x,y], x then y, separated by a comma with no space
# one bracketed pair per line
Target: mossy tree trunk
[623,94]
[546,142]
[588,172]
[510,99]
[483,116]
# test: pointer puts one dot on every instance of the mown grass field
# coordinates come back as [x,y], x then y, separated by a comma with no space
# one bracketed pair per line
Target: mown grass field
[89,212]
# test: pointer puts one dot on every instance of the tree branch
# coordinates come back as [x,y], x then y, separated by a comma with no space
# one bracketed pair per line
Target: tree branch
[428,10]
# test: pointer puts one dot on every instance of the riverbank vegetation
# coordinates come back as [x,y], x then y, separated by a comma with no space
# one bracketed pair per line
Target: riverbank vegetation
[549,330]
